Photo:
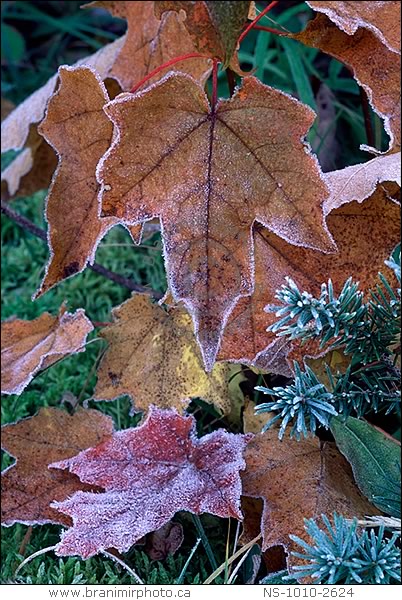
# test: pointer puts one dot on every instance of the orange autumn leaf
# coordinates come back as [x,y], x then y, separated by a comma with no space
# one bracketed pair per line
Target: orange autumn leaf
[153,357]
[376,68]
[358,209]
[321,481]
[208,174]
[30,346]
[383,19]
[215,27]
[149,43]
[78,129]
[28,486]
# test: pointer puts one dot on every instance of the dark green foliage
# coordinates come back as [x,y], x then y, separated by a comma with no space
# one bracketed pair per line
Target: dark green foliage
[327,316]
[344,555]
[367,388]
[376,462]
[307,403]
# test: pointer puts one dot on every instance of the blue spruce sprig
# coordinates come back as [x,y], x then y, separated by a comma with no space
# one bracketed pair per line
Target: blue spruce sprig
[364,329]
[305,403]
[379,559]
[302,316]
[342,555]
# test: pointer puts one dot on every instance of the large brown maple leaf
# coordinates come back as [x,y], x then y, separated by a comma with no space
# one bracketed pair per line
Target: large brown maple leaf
[296,480]
[208,173]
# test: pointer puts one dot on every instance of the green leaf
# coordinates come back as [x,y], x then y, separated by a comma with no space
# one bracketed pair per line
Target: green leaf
[375,459]
[228,19]
[12,44]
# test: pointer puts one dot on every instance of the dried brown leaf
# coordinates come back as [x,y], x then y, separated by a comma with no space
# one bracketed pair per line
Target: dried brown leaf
[165,541]
[382,18]
[208,174]
[357,224]
[359,182]
[321,482]
[28,487]
[154,358]
[376,68]
[29,346]
[150,43]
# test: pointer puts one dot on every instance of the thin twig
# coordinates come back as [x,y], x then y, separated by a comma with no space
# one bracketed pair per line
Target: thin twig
[25,541]
[124,282]
[251,25]
[23,222]
[40,233]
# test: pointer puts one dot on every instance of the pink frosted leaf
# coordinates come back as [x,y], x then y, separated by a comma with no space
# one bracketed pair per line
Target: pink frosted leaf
[149,473]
